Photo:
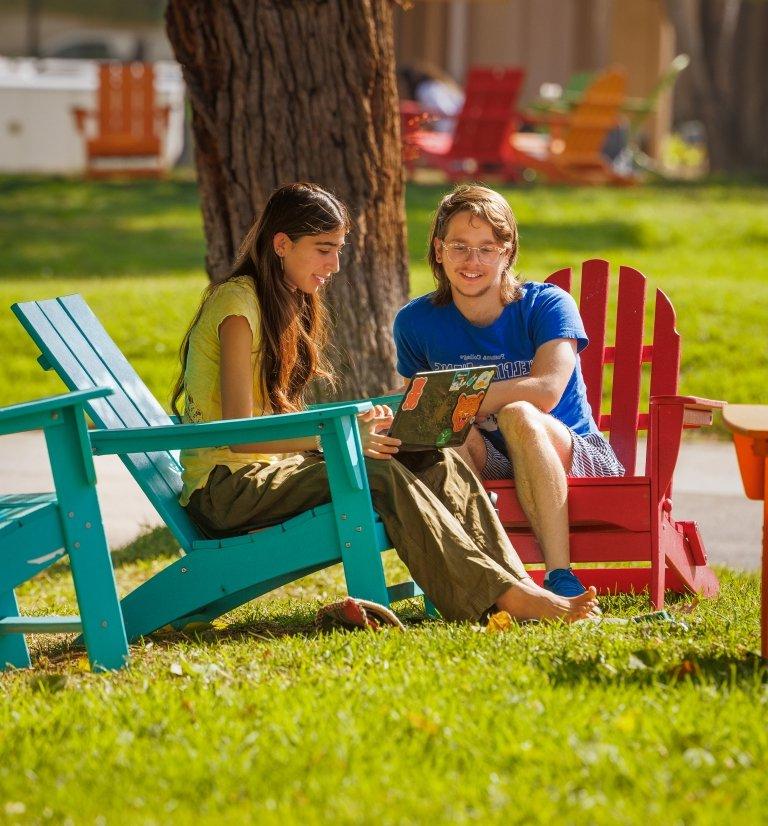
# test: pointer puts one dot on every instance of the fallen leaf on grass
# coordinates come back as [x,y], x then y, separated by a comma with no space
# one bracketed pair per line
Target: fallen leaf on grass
[498,622]
[422,723]
[627,722]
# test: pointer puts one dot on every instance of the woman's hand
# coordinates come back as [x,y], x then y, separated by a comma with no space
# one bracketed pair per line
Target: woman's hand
[377,445]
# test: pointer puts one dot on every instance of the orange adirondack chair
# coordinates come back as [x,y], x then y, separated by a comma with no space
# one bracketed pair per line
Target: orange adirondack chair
[129,126]
[571,153]
[488,117]
[628,519]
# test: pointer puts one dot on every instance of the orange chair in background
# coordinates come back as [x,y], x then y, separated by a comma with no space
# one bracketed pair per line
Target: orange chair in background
[129,126]
[571,153]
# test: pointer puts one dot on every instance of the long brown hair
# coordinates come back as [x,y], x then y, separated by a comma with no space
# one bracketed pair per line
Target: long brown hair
[294,324]
[488,206]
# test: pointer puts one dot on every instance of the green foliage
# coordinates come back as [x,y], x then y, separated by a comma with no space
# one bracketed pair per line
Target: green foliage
[263,719]
[136,252]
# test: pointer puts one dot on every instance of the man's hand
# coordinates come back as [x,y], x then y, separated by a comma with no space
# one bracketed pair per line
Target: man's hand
[376,444]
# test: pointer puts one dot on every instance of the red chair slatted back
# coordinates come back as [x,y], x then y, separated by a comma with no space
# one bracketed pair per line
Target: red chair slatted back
[593,307]
[126,100]
[627,358]
[665,368]
[624,420]
[490,103]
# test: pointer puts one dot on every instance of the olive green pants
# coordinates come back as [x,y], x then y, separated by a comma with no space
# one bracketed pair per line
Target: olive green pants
[438,517]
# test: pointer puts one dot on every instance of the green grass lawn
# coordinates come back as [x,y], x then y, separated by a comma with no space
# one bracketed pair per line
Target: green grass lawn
[136,252]
[262,719]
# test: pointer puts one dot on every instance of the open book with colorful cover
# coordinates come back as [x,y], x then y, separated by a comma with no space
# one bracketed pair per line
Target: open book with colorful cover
[438,407]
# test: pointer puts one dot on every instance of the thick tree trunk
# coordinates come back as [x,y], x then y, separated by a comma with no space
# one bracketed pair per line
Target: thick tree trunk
[290,90]
[728,44]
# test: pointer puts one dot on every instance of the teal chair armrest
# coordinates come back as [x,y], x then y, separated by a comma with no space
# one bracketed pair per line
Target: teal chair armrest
[42,413]
[335,424]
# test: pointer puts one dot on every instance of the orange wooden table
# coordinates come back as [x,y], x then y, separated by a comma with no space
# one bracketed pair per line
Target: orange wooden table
[749,425]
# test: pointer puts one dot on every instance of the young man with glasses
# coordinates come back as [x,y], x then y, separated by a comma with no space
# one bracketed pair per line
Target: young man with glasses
[535,423]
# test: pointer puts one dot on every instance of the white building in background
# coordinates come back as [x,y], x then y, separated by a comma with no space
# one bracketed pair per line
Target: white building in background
[37,127]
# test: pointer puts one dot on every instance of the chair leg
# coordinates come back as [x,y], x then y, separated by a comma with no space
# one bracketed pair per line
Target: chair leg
[658,566]
[86,545]
[96,592]
[13,647]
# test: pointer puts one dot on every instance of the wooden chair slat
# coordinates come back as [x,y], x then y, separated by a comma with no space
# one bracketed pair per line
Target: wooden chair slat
[62,339]
[646,357]
[593,306]
[562,278]
[49,340]
[665,370]
[149,409]
[625,398]
[606,423]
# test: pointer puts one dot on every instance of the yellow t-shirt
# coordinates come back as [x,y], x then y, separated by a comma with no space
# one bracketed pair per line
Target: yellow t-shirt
[202,393]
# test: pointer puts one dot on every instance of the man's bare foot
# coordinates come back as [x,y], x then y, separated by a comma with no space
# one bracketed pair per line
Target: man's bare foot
[526,600]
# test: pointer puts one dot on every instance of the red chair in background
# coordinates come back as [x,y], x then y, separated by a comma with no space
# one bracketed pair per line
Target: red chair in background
[129,126]
[628,519]
[486,121]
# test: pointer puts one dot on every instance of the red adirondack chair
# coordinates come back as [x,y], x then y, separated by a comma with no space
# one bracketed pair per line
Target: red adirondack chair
[129,125]
[483,127]
[628,519]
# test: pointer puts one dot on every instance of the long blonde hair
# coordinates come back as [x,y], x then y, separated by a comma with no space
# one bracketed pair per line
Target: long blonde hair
[294,324]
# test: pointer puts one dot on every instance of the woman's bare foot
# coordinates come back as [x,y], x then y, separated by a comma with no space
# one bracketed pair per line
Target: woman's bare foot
[526,600]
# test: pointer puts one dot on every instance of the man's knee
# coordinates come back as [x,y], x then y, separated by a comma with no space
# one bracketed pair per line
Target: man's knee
[519,420]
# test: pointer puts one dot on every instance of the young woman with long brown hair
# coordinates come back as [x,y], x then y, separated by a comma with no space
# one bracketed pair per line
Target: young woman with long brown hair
[251,350]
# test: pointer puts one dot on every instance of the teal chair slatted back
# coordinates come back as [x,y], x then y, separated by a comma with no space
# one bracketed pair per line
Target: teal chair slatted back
[73,342]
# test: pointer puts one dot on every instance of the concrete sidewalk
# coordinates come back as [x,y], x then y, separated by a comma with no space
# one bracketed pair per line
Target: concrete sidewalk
[707,489]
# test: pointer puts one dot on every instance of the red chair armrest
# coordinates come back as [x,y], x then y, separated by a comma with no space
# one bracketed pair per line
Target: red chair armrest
[697,412]
[695,402]
[668,417]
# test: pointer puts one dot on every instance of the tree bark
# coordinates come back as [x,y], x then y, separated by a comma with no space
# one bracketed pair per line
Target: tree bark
[728,44]
[290,90]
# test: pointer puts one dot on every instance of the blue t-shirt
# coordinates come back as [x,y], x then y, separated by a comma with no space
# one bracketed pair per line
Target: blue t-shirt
[429,337]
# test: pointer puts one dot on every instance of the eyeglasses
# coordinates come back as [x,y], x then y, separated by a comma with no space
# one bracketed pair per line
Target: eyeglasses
[458,253]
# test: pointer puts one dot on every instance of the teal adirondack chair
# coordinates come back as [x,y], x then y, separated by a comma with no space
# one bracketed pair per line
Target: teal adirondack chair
[215,576]
[38,529]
